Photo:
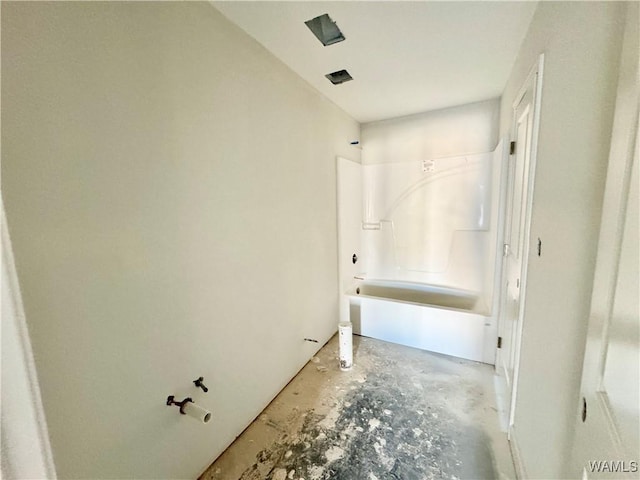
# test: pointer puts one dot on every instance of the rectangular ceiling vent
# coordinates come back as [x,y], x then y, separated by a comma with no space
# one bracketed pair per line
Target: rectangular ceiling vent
[325,30]
[339,77]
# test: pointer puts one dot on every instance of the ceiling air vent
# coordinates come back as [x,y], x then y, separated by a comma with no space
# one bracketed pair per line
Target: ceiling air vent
[339,77]
[325,30]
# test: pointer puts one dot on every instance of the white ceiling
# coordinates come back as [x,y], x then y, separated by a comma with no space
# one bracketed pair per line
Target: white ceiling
[405,57]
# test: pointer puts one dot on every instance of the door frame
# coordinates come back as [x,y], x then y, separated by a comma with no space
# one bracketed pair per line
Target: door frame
[536,76]
[26,446]
[624,153]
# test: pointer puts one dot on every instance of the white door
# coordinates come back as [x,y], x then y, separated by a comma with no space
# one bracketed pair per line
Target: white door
[607,434]
[516,230]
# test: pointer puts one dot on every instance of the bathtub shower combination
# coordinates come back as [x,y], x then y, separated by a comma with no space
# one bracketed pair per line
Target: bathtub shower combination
[427,262]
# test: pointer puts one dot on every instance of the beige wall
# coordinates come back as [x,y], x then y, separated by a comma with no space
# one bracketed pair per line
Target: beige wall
[170,193]
[461,130]
[581,43]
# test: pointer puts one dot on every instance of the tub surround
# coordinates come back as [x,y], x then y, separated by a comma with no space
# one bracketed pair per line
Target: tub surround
[429,242]
[431,221]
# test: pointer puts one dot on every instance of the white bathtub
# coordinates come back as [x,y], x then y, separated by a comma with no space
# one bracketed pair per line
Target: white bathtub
[430,317]
[419,294]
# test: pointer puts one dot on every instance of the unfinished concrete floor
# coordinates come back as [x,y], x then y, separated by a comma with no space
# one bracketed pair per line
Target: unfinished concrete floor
[400,413]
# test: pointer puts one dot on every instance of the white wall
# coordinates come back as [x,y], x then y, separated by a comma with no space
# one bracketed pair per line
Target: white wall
[462,130]
[581,43]
[170,192]
[349,191]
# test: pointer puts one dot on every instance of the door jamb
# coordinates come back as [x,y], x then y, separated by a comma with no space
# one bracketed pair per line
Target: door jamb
[30,453]
[537,70]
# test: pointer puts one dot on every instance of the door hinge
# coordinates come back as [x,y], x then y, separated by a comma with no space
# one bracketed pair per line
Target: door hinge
[505,249]
[512,148]
[499,342]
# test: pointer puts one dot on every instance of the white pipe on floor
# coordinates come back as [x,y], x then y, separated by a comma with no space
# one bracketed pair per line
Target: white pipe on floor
[345,334]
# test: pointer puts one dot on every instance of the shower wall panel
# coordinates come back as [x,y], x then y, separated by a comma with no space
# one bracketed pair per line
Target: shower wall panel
[429,221]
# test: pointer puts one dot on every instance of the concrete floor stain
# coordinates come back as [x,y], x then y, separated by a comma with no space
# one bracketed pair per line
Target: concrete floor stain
[378,434]
[387,421]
